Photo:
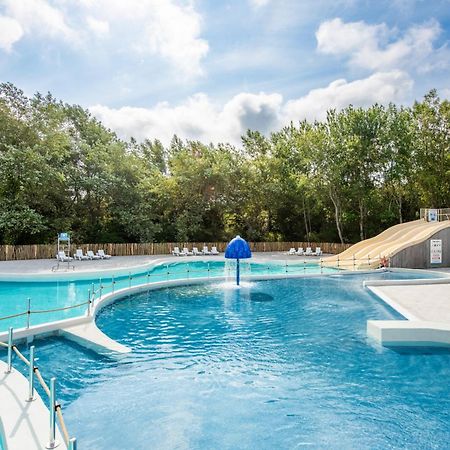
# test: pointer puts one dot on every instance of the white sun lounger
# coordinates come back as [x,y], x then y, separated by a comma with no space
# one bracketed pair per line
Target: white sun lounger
[291,251]
[176,251]
[300,251]
[91,255]
[214,251]
[103,255]
[186,252]
[61,256]
[206,250]
[318,252]
[196,251]
[308,251]
[80,255]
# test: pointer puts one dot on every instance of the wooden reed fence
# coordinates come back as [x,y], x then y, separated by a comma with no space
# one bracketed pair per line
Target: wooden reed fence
[48,251]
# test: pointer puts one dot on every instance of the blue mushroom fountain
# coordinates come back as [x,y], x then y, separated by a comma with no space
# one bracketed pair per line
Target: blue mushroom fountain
[237,249]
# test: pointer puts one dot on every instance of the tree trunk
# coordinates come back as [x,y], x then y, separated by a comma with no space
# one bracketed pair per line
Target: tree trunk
[399,203]
[306,220]
[361,219]
[337,215]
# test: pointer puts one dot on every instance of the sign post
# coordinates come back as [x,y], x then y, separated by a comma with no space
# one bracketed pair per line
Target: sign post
[436,251]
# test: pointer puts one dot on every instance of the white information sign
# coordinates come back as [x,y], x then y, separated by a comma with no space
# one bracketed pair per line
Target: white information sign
[436,251]
[432,215]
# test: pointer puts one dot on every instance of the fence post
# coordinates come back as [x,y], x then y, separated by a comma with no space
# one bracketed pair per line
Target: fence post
[28,312]
[52,434]
[73,444]
[10,345]
[31,376]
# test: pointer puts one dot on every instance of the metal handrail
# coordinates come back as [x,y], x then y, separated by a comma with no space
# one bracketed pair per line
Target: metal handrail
[54,407]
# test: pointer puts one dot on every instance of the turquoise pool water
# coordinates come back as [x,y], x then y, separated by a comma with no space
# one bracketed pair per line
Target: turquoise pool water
[283,364]
[46,295]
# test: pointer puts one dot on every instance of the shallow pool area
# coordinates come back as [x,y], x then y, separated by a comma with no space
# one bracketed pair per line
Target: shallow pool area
[65,291]
[277,364]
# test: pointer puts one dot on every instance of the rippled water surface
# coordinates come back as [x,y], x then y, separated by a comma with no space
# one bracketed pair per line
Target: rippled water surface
[281,364]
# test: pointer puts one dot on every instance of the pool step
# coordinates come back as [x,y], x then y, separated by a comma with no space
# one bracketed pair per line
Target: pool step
[89,335]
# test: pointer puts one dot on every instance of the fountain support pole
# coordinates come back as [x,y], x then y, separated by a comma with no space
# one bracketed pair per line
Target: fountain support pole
[238,249]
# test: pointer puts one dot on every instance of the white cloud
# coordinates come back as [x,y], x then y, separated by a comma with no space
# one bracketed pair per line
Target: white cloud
[259,3]
[376,47]
[39,17]
[99,27]
[168,29]
[198,118]
[10,32]
[381,87]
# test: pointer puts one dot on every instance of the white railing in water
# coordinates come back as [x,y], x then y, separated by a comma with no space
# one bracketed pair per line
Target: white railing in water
[435,215]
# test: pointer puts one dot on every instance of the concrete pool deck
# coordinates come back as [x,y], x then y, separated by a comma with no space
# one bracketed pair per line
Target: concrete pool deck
[44,266]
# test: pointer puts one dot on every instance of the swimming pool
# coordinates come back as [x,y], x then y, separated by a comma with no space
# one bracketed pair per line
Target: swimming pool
[279,364]
[71,289]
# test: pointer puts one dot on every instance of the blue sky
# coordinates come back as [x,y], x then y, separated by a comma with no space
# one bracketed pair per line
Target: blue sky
[209,69]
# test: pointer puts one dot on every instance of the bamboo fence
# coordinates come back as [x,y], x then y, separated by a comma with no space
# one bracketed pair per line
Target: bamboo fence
[48,251]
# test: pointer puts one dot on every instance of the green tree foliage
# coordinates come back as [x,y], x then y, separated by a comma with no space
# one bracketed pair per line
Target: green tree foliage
[346,178]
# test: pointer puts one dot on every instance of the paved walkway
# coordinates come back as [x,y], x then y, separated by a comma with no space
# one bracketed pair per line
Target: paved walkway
[40,266]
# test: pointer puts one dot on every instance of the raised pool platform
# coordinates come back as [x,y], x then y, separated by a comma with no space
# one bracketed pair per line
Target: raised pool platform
[424,303]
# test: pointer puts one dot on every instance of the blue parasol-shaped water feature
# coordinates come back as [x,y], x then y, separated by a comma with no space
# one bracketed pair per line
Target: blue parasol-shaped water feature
[237,249]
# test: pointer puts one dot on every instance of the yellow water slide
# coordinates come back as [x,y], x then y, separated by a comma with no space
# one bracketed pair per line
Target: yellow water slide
[371,253]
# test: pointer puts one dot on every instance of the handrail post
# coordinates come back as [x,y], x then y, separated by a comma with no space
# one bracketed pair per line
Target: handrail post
[10,346]
[31,376]
[321,266]
[129,280]
[89,303]
[209,275]
[187,271]
[93,292]
[28,312]
[73,444]
[101,287]
[52,441]
[338,261]
[113,283]
[148,277]
[354,262]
